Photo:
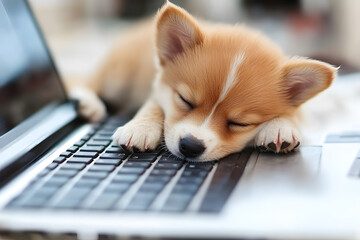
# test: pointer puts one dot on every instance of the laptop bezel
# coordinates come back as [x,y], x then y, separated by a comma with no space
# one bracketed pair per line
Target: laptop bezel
[50,119]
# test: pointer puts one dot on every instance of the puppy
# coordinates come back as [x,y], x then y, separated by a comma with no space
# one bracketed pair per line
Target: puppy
[216,88]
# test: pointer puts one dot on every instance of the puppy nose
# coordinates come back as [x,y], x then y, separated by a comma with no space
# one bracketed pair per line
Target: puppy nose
[191,147]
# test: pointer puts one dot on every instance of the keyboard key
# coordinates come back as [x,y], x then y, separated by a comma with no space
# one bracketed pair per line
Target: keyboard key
[129,178]
[132,170]
[25,193]
[35,202]
[96,126]
[152,187]
[52,166]
[92,131]
[113,149]
[121,156]
[191,180]
[98,175]
[108,127]
[79,143]
[170,159]
[66,154]
[87,182]
[92,149]
[73,166]
[168,165]
[77,193]
[177,202]
[148,157]
[98,143]
[141,201]
[163,172]
[19,200]
[59,160]
[137,164]
[151,152]
[56,181]
[194,173]
[102,168]
[182,188]
[86,137]
[116,121]
[200,167]
[66,172]
[28,189]
[43,173]
[116,162]
[85,160]
[117,187]
[158,178]
[73,198]
[86,154]
[16,202]
[72,149]
[180,198]
[105,201]
[46,192]
[102,138]
[105,133]
[33,181]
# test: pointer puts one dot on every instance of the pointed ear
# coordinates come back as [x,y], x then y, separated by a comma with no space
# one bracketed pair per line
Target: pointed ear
[177,31]
[304,78]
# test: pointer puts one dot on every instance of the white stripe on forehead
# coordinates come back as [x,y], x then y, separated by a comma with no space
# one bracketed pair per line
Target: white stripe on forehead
[231,79]
[230,82]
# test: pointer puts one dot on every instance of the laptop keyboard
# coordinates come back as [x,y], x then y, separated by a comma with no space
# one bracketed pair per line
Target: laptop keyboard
[94,174]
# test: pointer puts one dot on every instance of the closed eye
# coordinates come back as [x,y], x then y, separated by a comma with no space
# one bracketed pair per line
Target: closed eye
[237,124]
[189,104]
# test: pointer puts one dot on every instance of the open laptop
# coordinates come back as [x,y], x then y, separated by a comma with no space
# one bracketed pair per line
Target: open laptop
[59,174]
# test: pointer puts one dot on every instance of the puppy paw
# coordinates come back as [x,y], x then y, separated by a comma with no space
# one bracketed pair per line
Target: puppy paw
[90,106]
[138,134]
[278,135]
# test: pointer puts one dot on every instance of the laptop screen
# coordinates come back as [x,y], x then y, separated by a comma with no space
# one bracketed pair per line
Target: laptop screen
[28,79]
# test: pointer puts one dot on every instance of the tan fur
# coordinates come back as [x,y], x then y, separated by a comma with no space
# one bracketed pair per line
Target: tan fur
[126,76]
[194,61]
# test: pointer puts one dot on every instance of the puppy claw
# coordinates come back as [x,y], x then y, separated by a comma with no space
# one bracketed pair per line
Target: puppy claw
[285,145]
[262,148]
[272,146]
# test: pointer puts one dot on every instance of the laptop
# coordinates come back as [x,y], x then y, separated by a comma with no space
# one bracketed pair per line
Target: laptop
[59,174]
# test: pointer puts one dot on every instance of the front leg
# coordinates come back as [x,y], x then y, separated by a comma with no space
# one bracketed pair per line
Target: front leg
[145,130]
[90,105]
[279,135]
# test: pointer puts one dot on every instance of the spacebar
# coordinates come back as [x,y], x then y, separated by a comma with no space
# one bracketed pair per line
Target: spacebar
[224,180]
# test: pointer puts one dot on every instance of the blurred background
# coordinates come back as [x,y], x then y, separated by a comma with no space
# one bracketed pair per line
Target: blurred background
[81,32]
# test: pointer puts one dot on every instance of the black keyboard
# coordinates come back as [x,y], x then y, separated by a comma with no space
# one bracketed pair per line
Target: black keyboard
[94,174]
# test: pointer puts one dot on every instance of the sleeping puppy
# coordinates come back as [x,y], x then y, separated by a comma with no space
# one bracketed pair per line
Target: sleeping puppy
[216,88]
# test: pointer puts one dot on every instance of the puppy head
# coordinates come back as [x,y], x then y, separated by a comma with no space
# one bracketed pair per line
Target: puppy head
[217,84]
